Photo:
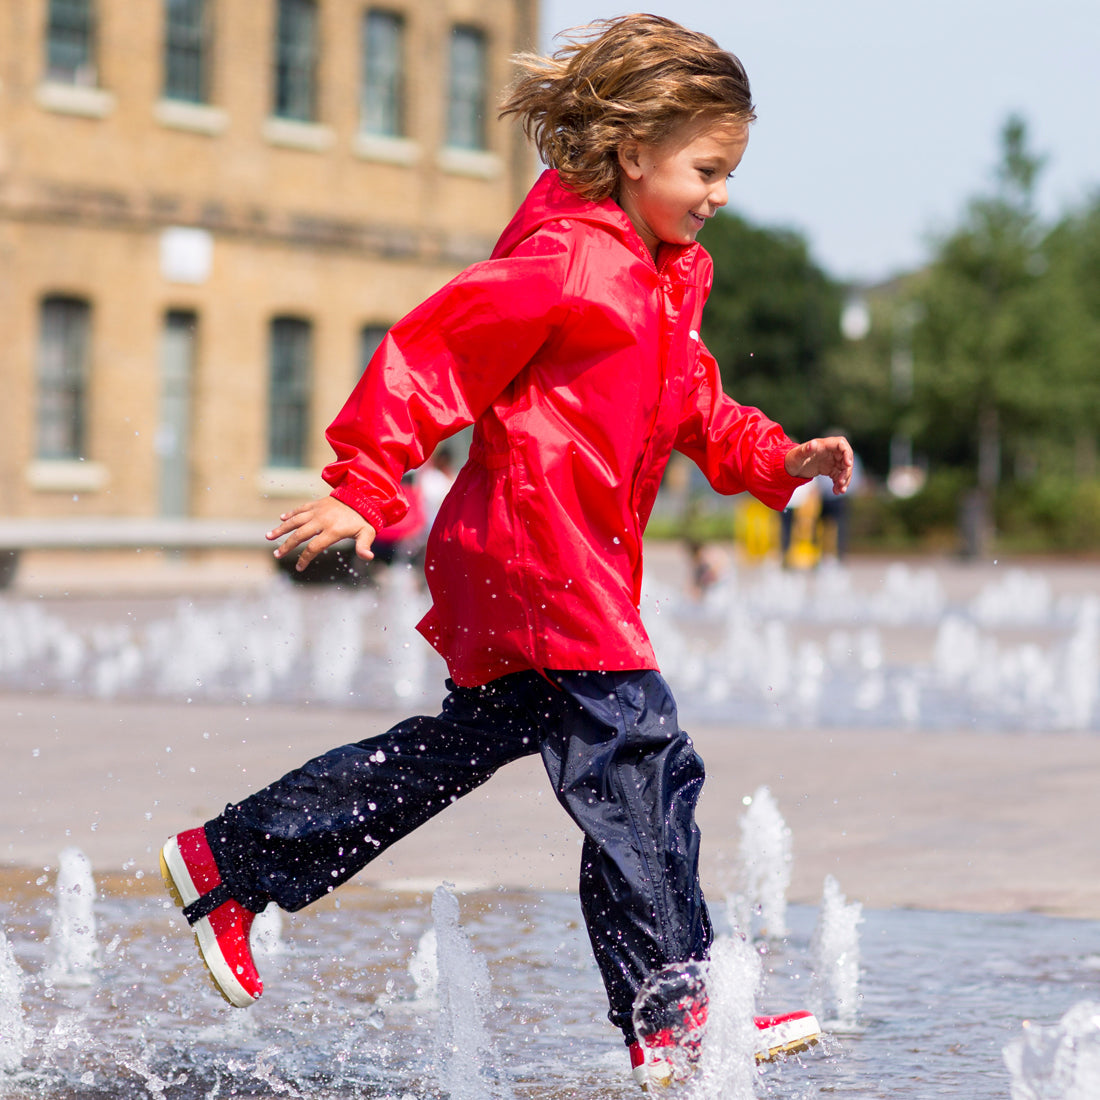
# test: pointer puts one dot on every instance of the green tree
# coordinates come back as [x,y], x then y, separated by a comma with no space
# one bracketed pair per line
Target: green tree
[980,354]
[1070,313]
[869,378]
[772,317]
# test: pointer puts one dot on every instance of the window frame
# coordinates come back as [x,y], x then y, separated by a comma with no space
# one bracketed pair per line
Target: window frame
[296,64]
[289,386]
[62,371]
[371,336]
[467,90]
[390,91]
[198,49]
[71,25]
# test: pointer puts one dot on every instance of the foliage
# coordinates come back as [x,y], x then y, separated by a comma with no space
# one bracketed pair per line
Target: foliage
[866,397]
[929,519]
[771,320]
[1002,329]
[1069,312]
[1054,513]
[980,387]
[984,365]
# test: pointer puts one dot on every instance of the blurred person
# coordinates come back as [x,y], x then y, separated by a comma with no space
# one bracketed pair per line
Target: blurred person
[436,478]
[800,529]
[404,540]
[706,566]
[834,509]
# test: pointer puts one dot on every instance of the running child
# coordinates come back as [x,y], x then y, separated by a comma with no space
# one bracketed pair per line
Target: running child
[574,352]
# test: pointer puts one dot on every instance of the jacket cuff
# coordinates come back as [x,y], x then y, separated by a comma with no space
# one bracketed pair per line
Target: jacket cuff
[354,496]
[778,485]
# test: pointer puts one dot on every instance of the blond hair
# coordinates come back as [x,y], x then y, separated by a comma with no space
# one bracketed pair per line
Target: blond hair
[632,78]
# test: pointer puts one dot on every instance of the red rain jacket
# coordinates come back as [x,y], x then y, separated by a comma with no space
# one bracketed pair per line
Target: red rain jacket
[578,361]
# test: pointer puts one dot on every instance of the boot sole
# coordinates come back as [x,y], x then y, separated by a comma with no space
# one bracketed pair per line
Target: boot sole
[217,969]
[794,1046]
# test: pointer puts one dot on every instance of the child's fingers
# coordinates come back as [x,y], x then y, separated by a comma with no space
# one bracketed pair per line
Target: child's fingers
[363,542]
[296,537]
[293,521]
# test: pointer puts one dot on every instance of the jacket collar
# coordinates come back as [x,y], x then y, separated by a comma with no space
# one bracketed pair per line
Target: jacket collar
[551,200]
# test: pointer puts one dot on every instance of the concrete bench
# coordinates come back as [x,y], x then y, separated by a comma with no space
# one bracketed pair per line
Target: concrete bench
[124,533]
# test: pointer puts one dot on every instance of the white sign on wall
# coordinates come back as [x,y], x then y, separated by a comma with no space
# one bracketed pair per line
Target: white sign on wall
[186,255]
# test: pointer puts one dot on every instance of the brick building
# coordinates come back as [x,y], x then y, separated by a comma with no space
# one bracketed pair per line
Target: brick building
[209,212]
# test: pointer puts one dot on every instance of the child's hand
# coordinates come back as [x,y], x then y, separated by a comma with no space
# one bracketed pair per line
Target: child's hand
[317,526]
[831,456]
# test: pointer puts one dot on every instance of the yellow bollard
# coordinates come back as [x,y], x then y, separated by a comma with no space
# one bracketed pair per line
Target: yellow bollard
[756,530]
[805,548]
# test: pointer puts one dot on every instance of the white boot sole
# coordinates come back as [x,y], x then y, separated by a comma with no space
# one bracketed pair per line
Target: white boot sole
[789,1037]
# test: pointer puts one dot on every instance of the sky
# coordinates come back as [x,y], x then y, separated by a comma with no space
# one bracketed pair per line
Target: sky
[878,119]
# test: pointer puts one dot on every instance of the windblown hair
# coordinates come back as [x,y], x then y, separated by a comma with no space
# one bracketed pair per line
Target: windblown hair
[632,78]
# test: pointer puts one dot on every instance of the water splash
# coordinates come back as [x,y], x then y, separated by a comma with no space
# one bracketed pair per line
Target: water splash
[1061,1062]
[835,951]
[1078,694]
[1020,596]
[424,969]
[408,661]
[266,938]
[466,1056]
[727,1067]
[711,1054]
[150,1017]
[765,866]
[13,1028]
[789,648]
[670,1019]
[74,951]
[335,655]
[280,644]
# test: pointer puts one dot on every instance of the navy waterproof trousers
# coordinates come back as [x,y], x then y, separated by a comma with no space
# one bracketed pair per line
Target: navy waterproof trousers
[619,763]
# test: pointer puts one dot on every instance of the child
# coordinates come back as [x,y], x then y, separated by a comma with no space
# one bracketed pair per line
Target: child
[575,353]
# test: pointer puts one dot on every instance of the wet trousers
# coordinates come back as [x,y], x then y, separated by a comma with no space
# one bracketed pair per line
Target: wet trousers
[619,764]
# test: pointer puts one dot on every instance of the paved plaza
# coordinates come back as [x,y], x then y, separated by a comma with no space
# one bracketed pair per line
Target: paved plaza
[954,820]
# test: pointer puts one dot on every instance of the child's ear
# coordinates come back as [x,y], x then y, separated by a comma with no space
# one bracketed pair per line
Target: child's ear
[630,159]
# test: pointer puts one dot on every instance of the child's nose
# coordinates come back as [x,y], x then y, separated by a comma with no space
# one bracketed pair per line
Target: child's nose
[719,194]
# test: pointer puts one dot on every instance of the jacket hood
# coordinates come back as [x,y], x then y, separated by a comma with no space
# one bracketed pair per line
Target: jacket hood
[551,200]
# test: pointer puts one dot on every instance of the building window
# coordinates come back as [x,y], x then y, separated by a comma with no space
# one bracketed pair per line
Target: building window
[186,50]
[370,340]
[382,95]
[288,392]
[467,89]
[177,363]
[64,325]
[70,42]
[296,61]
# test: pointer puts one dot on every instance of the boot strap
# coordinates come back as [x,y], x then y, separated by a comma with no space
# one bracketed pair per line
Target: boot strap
[206,905]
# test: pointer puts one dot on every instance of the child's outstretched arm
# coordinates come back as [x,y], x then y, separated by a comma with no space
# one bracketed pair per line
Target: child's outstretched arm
[831,457]
[317,526]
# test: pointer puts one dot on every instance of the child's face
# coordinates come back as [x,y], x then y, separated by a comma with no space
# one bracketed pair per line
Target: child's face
[670,189]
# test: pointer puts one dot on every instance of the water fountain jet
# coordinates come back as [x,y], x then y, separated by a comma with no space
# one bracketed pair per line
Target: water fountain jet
[835,951]
[765,866]
[727,1066]
[1060,1062]
[466,1055]
[75,952]
[13,1028]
